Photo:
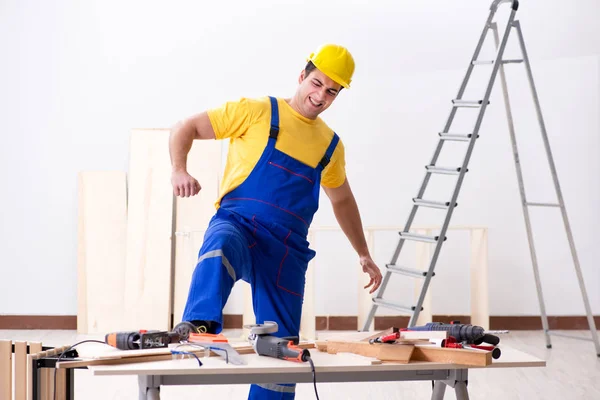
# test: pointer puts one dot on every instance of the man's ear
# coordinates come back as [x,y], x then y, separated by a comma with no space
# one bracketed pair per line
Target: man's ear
[301,77]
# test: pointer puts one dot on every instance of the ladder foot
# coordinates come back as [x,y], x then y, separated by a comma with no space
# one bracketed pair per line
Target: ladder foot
[548,346]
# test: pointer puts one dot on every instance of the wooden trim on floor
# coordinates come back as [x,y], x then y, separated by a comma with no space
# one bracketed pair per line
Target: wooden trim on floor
[329,323]
[58,322]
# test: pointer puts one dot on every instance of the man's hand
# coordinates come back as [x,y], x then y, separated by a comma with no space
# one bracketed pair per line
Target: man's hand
[184,185]
[369,267]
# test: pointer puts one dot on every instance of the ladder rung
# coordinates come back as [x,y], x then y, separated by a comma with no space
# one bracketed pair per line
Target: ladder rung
[569,336]
[444,170]
[433,204]
[417,273]
[457,137]
[490,62]
[383,303]
[543,204]
[468,103]
[419,238]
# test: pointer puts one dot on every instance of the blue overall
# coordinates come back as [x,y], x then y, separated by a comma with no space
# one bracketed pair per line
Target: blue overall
[258,234]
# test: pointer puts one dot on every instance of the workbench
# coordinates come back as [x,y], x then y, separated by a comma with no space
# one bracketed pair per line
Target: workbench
[343,367]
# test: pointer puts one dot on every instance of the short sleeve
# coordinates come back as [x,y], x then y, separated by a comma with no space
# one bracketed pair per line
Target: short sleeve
[334,175]
[231,120]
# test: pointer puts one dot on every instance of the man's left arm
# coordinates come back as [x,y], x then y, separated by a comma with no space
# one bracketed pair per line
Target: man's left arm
[348,216]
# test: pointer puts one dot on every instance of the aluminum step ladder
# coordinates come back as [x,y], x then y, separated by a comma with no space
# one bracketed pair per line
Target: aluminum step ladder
[459,171]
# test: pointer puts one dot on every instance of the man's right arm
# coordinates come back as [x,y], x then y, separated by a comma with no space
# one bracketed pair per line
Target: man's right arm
[180,142]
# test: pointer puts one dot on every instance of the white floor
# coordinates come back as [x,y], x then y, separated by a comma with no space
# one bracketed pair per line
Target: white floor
[572,373]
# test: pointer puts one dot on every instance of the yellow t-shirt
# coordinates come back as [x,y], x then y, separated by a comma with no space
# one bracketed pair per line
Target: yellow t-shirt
[247,124]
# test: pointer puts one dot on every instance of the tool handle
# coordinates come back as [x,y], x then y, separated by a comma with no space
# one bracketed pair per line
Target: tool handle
[123,340]
[292,352]
[487,338]
[392,337]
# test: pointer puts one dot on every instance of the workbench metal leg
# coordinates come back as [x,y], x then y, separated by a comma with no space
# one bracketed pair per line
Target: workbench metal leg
[149,387]
[461,391]
[439,389]
[457,380]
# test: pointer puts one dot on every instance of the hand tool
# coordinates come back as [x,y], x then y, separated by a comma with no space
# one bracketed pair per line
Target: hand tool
[451,343]
[269,345]
[142,339]
[471,334]
[390,338]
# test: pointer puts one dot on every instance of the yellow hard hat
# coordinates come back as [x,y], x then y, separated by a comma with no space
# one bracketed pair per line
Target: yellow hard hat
[334,61]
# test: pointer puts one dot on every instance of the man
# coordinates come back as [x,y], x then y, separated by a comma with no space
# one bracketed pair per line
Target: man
[280,154]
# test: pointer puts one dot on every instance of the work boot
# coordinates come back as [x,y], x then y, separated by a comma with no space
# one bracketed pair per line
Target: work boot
[184,328]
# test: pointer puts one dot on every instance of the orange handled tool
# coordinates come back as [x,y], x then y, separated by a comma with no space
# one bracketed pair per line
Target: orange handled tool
[268,345]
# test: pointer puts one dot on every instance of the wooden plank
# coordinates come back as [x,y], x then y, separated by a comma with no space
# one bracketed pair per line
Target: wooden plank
[385,352]
[46,383]
[34,348]
[480,310]
[148,269]
[61,383]
[452,356]
[307,322]
[193,215]
[119,361]
[20,379]
[248,317]
[102,228]
[423,259]
[5,370]
[365,300]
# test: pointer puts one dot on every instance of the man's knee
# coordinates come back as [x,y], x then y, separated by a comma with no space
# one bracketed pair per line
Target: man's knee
[224,243]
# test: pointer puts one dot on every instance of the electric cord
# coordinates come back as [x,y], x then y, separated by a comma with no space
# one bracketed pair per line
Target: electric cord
[98,341]
[66,351]
[312,365]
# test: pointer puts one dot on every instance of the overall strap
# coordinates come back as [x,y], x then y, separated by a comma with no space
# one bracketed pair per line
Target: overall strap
[274,120]
[327,157]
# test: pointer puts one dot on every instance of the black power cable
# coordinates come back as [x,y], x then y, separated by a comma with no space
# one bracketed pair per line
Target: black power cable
[312,365]
[66,351]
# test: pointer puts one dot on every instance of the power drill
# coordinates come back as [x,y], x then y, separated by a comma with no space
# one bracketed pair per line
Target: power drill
[471,334]
[266,344]
[143,339]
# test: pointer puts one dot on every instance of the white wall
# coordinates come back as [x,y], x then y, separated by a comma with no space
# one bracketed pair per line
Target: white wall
[77,76]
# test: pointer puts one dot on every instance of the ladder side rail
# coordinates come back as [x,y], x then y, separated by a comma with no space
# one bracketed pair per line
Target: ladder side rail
[439,147]
[521,183]
[590,317]
[434,158]
[463,169]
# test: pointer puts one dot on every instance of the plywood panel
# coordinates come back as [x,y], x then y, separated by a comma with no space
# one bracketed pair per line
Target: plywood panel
[102,227]
[480,304]
[149,228]
[365,299]
[5,369]
[34,347]
[193,215]
[20,370]
[308,329]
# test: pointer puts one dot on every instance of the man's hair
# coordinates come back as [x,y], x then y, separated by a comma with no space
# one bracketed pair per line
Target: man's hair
[310,67]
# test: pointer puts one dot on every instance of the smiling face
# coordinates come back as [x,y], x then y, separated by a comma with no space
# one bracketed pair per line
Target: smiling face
[315,93]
